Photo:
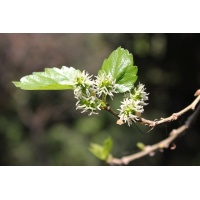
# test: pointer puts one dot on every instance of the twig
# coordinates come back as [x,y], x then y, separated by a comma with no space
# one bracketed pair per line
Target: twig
[108,108]
[154,123]
[174,116]
[148,149]
[162,144]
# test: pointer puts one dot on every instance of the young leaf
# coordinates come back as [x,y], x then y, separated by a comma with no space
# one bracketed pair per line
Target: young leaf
[97,150]
[102,152]
[107,146]
[127,80]
[51,79]
[120,65]
[140,145]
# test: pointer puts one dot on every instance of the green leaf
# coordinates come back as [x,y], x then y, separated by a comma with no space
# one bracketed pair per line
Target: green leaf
[51,79]
[141,145]
[120,65]
[97,150]
[102,152]
[107,146]
[127,80]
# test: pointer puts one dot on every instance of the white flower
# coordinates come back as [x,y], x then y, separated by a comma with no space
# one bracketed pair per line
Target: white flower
[83,79]
[89,104]
[130,110]
[80,92]
[82,85]
[132,106]
[139,93]
[105,84]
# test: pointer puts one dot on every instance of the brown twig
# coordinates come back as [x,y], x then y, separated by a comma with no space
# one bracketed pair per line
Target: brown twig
[154,123]
[166,142]
[174,116]
[148,149]
[108,108]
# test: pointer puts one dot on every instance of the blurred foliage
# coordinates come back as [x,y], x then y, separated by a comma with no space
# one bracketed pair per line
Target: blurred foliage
[102,151]
[44,128]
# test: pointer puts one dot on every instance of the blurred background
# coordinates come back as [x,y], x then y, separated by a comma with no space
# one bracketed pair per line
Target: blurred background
[44,128]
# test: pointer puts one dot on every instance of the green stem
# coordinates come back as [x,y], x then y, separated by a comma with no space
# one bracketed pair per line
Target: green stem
[104,97]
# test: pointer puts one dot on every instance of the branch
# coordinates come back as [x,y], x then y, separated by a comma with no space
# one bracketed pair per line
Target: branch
[166,142]
[154,123]
[148,149]
[174,116]
[108,108]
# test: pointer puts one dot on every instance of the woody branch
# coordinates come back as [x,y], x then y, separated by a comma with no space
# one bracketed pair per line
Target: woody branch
[166,142]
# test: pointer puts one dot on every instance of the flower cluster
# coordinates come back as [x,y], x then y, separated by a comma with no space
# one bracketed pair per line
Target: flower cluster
[91,104]
[139,93]
[82,84]
[105,84]
[85,94]
[132,105]
[88,91]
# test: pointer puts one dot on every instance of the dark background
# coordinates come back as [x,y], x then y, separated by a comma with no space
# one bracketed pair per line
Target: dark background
[44,128]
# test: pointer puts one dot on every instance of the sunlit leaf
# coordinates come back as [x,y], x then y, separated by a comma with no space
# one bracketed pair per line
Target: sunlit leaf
[51,79]
[120,65]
